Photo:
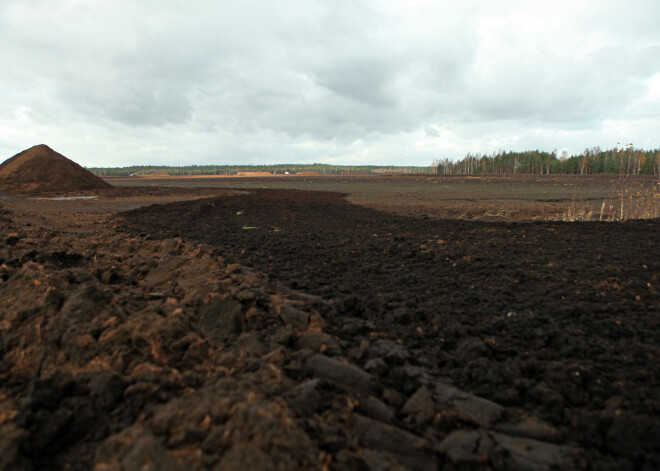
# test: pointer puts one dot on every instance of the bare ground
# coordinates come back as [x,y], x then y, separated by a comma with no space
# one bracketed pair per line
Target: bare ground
[292,330]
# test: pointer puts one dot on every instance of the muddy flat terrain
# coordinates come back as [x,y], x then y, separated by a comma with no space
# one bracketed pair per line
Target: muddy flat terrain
[286,329]
[520,197]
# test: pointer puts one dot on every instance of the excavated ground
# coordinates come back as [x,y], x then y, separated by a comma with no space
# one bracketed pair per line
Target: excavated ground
[559,320]
[292,330]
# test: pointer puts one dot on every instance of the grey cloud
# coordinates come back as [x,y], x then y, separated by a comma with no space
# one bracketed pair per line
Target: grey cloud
[361,80]
[132,101]
[325,78]
[559,89]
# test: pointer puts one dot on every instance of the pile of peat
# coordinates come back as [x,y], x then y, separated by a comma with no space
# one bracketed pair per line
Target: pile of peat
[40,170]
[558,321]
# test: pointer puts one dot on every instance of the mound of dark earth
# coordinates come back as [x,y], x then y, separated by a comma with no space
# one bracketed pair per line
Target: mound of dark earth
[461,325]
[40,170]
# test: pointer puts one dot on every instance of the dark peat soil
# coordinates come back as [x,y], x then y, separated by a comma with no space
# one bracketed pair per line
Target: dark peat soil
[556,319]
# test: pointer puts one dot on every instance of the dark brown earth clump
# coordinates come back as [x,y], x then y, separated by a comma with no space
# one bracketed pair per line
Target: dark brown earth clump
[292,330]
[40,170]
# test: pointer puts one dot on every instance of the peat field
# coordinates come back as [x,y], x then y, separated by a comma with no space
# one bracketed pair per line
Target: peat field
[558,320]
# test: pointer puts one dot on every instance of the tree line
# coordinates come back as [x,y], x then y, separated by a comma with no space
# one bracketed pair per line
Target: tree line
[625,160]
[279,169]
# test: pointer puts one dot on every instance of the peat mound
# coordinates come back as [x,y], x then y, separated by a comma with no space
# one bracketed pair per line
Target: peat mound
[254,174]
[41,170]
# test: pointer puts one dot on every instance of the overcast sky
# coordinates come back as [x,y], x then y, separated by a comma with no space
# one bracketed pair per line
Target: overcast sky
[121,82]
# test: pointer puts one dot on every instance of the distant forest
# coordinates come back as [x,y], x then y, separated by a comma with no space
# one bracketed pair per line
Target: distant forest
[619,161]
[280,169]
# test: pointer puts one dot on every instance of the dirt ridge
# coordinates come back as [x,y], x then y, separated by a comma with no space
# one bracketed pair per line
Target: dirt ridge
[124,352]
[559,320]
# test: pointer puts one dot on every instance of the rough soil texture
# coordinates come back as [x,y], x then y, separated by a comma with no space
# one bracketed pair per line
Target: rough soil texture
[292,330]
[555,322]
[41,170]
